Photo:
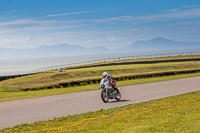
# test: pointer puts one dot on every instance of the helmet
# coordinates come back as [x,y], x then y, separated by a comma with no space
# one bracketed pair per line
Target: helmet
[105,75]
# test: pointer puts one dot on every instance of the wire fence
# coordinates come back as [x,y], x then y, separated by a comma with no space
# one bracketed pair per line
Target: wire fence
[114,59]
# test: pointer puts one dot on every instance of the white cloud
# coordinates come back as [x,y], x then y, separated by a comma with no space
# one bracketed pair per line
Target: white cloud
[24,25]
[119,18]
[35,25]
[109,39]
[23,22]
[186,7]
[69,13]
[187,13]
[175,14]
[14,42]
[12,11]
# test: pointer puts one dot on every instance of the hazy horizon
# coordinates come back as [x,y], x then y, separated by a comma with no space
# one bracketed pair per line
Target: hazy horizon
[60,50]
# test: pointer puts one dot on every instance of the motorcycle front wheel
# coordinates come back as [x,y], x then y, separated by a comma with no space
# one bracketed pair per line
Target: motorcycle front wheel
[104,97]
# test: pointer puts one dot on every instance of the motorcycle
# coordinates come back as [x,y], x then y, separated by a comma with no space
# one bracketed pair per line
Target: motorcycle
[108,92]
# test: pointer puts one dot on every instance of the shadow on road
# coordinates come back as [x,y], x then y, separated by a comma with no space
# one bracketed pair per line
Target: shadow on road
[119,101]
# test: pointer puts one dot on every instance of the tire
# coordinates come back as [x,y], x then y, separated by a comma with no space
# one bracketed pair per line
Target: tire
[118,96]
[104,97]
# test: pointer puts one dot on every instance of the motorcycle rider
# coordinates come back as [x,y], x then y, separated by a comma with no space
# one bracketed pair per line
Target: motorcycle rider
[110,79]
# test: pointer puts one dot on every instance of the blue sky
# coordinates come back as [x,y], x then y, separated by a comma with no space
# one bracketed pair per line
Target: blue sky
[89,23]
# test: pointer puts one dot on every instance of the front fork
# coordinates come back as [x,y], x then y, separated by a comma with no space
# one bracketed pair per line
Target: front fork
[106,91]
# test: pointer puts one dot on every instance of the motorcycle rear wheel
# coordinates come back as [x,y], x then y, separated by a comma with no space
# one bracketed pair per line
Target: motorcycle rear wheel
[118,96]
[104,96]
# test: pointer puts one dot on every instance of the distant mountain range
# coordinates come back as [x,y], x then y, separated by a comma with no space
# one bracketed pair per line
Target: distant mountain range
[156,44]
[50,51]
[161,44]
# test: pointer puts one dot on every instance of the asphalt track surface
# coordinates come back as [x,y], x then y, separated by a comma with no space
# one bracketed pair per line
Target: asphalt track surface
[44,108]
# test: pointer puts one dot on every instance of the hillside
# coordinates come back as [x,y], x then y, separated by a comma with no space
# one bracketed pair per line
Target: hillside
[162,44]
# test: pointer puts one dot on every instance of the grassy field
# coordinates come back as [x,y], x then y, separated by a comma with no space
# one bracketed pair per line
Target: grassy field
[142,59]
[52,78]
[7,96]
[173,114]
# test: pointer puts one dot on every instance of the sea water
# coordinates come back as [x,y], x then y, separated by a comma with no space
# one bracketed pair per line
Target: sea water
[24,66]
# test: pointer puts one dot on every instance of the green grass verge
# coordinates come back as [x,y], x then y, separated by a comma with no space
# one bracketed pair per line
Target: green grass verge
[173,114]
[7,96]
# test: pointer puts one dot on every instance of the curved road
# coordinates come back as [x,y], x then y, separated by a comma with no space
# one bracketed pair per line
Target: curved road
[44,108]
